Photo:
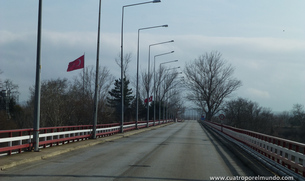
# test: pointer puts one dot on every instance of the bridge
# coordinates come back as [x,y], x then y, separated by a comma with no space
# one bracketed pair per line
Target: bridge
[166,150]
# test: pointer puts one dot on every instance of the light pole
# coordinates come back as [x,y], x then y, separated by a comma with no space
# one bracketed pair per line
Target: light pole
[165,99]
[37,82]
[137,88]
[148,75]
[155,81]
[170,94]
[97,74]
[160,85]
[122,76]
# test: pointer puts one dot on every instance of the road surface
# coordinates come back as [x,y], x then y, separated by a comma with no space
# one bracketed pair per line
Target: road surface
[180,151]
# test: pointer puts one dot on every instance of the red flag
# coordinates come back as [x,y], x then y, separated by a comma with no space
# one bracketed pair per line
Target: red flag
[150,99]
[76,64]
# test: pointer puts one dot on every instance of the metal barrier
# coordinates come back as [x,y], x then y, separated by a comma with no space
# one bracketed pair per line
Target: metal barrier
[18,141]
[285,152]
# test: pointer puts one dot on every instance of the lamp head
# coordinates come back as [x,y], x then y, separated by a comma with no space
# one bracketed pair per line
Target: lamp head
[164,25]
[156,1]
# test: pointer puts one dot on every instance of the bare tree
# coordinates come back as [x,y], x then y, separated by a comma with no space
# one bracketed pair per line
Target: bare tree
[174,103]
[126,61]
[209,81]
[54,102]
[242,113]
[246,114]
[167,87]
[12,89]
[83,90]
[298,115]
[282,119]
[145,85]
[9,99]
[170,81]
[85,82]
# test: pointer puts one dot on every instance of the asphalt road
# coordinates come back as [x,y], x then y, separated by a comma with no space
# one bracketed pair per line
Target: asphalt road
[180,151]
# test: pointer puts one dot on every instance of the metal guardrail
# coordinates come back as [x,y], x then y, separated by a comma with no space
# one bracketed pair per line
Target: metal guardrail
[287,153]
[18,141]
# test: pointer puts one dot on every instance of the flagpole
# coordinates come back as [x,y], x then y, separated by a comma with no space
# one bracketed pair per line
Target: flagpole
[84,77]
[83,97]
[96,75]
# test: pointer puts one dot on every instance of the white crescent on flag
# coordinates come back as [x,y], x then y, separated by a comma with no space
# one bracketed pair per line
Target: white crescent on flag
[76,64]
[79,62]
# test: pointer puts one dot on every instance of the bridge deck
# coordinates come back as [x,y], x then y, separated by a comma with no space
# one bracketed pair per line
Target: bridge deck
[180,151]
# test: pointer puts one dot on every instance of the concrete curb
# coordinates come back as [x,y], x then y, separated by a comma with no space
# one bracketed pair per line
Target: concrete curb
[23,156]
[16,163]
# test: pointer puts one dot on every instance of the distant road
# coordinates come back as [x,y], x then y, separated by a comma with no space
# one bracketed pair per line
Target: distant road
[180,151]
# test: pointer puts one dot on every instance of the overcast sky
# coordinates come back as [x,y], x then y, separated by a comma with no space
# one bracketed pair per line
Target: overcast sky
[263,40]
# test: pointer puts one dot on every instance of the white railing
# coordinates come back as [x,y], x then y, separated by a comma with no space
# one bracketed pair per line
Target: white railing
[285,152]
[16,141]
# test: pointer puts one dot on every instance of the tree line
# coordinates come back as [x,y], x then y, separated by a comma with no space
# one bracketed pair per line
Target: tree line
[71,102]
[246,114]
[208,83]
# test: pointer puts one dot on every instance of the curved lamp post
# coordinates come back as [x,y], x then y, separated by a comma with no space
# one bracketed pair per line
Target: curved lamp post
[160,85]
[165,113]
[137,87]
[122,76]
[155,81]
[148,75]
[166,92]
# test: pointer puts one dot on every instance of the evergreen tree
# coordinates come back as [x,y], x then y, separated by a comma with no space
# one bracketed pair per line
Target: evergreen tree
[114,100]
[142,113]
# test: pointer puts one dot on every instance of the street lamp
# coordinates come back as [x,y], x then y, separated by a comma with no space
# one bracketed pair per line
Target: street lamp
[155,81]
[97,74]
[160,85]
[173,68]
[137,88]
[36,123]
[148,75]
[165,100]
[122,77]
